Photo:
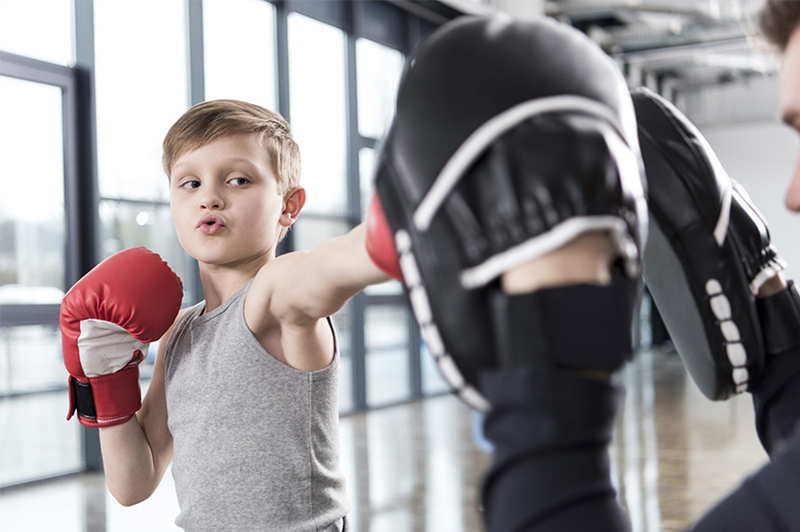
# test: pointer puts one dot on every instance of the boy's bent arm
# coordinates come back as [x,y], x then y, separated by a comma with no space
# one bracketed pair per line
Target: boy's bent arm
[136,454]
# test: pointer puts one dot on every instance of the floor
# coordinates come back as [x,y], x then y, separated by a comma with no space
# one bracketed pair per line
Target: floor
[417,467]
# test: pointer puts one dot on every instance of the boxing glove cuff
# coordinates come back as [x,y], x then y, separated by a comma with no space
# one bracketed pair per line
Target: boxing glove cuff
[106,400]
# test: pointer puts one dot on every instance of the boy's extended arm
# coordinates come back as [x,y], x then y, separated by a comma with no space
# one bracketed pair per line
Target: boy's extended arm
[136,454]
[320,282]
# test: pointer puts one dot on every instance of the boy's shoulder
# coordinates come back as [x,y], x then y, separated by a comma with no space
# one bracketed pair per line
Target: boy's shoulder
[279,269]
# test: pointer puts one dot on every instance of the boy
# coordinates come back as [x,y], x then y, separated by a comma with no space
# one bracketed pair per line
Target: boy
[245,385]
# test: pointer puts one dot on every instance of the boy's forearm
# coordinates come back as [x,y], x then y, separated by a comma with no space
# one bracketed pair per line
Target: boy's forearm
[357,269]
[344,264]
[338,269]
[131,471]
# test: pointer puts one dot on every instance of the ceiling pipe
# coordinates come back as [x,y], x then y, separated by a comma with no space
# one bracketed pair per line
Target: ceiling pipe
[577,7]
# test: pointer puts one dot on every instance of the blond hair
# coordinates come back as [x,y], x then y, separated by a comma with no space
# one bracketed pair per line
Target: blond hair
[209,121]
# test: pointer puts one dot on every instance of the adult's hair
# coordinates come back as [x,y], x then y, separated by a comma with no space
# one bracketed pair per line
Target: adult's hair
[777,21]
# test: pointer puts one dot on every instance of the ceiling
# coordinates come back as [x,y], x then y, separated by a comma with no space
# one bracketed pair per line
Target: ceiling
[684,49]
[683,44]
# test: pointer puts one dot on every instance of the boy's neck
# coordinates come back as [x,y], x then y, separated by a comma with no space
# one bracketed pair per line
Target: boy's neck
[220,283]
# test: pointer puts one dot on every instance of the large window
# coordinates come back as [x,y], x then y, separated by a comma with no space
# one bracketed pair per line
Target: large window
[33,278]
[239,51]
[379,68]
[318,115]
[387,351]
[40,29]
[142,89]
[32,218]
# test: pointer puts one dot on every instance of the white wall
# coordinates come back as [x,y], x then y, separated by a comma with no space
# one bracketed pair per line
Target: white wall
[761,156]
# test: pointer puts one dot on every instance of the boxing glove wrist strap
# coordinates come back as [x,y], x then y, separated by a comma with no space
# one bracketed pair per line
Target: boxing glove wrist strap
[106,400]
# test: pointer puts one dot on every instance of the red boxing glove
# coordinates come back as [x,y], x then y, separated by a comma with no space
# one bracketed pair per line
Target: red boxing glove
[380,244]
[107,321]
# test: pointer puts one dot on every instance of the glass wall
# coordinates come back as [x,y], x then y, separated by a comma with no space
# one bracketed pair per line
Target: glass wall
[388,345]
[379,68]
[32,216]
[141,90]
[318,115]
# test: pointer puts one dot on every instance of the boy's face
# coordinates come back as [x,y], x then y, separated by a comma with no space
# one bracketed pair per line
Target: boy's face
[790,107]
[226,204]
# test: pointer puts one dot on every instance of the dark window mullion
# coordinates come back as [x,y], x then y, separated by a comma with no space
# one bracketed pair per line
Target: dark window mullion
[83,192]
[332,12]
[284,97]
[29,69]
[134,201]
[354,212]
[197,94]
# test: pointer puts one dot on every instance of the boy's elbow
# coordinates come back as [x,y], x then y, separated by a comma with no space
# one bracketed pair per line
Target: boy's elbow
[129,497]
[129,501]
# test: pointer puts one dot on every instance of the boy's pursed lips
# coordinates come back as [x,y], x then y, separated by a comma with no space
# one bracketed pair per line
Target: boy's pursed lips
[210,224]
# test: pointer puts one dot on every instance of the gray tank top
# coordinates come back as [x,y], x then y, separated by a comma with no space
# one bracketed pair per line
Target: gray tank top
[256,442]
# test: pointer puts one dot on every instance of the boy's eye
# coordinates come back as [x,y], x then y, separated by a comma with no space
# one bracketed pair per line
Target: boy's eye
[190,184]
[239,181]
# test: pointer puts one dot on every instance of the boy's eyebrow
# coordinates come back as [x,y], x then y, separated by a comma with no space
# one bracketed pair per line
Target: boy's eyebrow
[176,166]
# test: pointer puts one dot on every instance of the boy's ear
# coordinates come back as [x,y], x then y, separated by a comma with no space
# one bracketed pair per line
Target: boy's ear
[292,205]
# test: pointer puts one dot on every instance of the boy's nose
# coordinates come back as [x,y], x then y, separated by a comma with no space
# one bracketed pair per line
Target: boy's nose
[793,192]
[212,200]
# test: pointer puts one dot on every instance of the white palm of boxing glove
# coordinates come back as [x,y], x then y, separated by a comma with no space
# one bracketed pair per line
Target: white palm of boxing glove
[106,347]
